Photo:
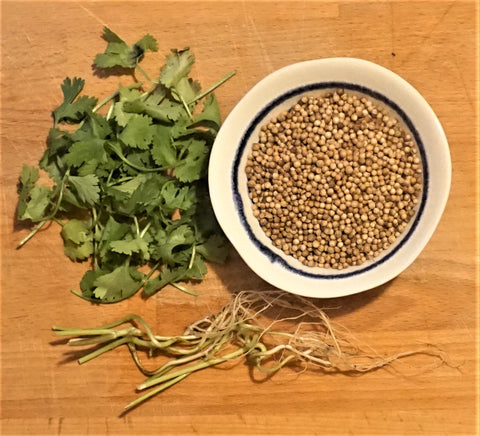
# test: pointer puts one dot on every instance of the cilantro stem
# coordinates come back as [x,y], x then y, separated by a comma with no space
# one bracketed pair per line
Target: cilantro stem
[153,392]
[137,228]
[185,105]
[110,111]
[139,68]
[192,257]
[149,274]
[103,349]
[152,381]
[115,95]
[118,181]
[94,239]
[36,229]
[149,91]
[117,150]
[214,86]
[59,222]
[184,289]
[145,229]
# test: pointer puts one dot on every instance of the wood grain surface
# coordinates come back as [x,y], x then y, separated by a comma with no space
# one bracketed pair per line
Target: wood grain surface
[432,44]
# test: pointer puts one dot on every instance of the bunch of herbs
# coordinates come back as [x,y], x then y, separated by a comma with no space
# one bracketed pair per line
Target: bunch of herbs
[129,187]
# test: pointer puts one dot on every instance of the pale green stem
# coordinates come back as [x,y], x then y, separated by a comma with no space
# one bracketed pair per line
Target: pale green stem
[184,289]
[109,347]
[145,229]
[139,68]
[137,228]
[192,257]
[213,87]
[154,392]
[193,368]
[115,95]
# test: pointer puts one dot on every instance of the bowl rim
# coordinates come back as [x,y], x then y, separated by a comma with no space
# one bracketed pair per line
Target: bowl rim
[295,80]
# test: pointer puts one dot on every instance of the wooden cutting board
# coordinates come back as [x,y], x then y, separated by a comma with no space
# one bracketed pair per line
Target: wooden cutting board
[429,43]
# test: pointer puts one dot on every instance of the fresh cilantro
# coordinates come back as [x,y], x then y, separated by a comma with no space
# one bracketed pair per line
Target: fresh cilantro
[39,199]
[78,240]
[193,165]
[86,187]
[26,182]
[213,249]
[71,111]
[129,184]
[119,54]
[178,66]
[82,152]
[139,132]
[119,284]
[131,245]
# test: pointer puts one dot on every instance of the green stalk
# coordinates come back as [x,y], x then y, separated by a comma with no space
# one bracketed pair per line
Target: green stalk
[115,95]
[213,87]
[106,348]
[145,229]
[184,289]
[185,105]
[139,68]
[116,149]
[155,391]
[137,228]
[192,257]
[152,381]
[94,239]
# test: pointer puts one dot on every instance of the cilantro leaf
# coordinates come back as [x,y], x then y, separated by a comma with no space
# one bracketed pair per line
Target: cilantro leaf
[78,240]
[178,197]
[93,126]
[119,284]
[186,89]
[58,143]
[174,274]
[86,151]
[35,207]
[86,188]
[163,152]
[193,165]
[76,231]
[78,252]
[112,231]
[139,132]
[26,181]
[147,43]
[125,95]
[210,115]
[141,107]
[179,63]
[131,245]
[172,242]
[71,111]
[119,54]
[132,184]
[214,249]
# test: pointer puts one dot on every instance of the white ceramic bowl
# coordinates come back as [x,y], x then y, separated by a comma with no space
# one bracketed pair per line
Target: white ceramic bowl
[279,91]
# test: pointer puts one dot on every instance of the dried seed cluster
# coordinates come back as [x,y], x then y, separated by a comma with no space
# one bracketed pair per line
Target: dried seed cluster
[334,180]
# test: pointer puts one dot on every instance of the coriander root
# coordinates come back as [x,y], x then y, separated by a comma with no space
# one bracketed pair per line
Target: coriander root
[334,180]
[269,329]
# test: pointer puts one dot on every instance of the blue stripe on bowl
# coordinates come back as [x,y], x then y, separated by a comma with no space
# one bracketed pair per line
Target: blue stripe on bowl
[262,114]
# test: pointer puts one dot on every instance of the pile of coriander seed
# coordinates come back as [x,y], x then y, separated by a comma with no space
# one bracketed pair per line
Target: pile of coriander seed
[334,180]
